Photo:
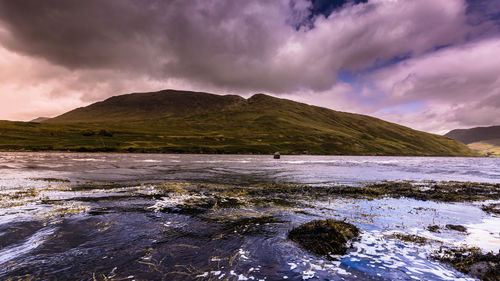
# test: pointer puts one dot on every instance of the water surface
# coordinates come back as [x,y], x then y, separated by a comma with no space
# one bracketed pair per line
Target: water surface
[105,216]
[245,169]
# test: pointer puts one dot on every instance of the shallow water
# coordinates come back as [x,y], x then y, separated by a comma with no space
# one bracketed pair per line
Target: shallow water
[84,216]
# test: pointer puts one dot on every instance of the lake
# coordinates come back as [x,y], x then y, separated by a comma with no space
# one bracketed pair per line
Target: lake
[100,216]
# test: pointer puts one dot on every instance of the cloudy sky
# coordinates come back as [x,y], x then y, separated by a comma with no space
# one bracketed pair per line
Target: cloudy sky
[427,64]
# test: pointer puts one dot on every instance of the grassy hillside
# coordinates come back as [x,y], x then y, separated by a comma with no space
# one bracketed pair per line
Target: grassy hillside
[188,122]
[487,147]
[475,134]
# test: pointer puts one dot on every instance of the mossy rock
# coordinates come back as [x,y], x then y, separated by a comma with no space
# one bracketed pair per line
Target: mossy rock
[324,237]
[471,261]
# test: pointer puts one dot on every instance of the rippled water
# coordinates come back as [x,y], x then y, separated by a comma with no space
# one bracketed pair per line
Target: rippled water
[244,169]
[85,216]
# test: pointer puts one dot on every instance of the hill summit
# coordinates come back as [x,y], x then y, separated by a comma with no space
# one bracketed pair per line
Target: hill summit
[192,122]
[139,106]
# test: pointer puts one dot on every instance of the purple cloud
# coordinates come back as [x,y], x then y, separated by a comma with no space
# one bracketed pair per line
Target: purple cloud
[89,50]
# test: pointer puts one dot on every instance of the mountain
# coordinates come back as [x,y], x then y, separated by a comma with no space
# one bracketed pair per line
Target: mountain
[40,119]
[192,122]
[475,134]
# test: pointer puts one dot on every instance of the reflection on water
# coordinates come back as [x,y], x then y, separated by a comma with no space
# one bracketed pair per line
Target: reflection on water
[103,216]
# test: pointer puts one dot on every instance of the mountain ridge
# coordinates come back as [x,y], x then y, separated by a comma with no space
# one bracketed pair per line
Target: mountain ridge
[475,134]
[165,102]
[197,122]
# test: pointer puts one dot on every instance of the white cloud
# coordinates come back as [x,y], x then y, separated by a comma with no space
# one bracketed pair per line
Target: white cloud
[460,85]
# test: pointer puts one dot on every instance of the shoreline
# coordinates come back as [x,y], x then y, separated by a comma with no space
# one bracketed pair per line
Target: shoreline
[249,154]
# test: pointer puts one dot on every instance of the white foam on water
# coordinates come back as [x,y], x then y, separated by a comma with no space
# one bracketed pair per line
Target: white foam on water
[89,159]
[379,251]
[205,274]
[485,235]
[308,274]
[243,254]
[30,244]
[172,201]
[149,161]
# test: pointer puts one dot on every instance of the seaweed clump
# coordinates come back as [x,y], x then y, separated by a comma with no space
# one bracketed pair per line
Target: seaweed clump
[324,237]
[492,208]
[410,238]
[455,227]
[472,261]
[459,228]
[251,224]
[196,206]
[433,191]
[433,228]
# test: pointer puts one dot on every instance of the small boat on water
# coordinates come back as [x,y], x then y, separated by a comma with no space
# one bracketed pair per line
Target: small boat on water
[277,155]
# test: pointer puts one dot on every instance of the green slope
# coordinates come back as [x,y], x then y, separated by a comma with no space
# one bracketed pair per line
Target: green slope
[487,147]
[189,122]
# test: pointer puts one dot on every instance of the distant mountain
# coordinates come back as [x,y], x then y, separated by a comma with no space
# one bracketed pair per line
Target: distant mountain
[40,119]
[192,122]
[486,147]
[475,134]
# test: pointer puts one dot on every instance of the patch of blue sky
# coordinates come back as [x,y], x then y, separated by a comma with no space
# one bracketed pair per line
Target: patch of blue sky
[405,108]
[326,7]
[353,79]
[358,85]
[381,63]
[348,76]
[319,8]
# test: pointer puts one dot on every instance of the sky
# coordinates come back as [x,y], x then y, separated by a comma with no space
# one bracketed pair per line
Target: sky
[430,65]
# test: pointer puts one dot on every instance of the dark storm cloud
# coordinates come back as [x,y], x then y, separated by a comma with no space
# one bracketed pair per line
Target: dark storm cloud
[171,38]
[241,45]
[481,11]
[80,34]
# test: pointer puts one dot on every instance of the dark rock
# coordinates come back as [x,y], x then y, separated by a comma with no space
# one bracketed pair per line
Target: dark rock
[324,237]
[88,133]
[433,228]
[104,133]
[456,227]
